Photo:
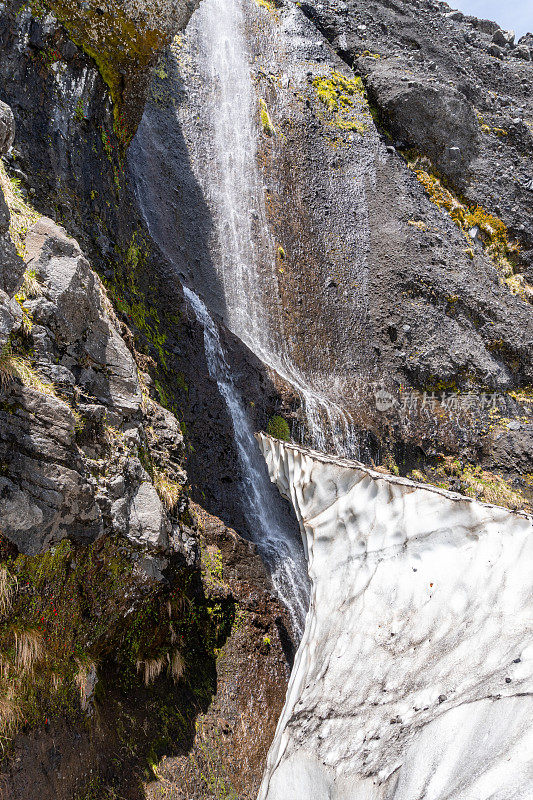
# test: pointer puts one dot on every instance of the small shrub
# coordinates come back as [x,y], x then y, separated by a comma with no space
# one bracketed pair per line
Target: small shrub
[278,428]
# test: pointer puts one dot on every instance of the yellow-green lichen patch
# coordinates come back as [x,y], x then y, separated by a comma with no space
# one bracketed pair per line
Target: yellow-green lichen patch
[270,7]
[473,481]
[345,100]
[473,218]
[266,122]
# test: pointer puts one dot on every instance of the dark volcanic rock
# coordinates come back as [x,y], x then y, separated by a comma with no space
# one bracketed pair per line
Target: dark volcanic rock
[435,119]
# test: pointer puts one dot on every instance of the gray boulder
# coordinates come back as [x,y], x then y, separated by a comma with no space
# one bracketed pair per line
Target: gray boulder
[47,493]
[503,38]
[74,307]
[148,524]
[428,115]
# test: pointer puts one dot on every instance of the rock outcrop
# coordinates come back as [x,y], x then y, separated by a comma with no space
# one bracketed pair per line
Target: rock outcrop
[391,263]
[74,427]
[413,677]
[124,39]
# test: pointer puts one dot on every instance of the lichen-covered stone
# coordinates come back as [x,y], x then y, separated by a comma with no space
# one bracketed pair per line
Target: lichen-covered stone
[124,39]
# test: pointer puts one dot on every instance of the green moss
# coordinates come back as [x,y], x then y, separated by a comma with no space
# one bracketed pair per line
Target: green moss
[345,99]
[278,428]
[120,46]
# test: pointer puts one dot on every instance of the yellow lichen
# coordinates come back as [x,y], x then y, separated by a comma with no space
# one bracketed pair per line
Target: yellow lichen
[269,5]
[345,100]
[491,230]
[266,122]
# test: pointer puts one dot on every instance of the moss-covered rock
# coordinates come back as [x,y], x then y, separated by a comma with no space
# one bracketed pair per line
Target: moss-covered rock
[124,39]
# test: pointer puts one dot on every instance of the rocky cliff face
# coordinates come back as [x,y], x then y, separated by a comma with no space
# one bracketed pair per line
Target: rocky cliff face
[116,600]
[414,674]
[347,186]
[392,264]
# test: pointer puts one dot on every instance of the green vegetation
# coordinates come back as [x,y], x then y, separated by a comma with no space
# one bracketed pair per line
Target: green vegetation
[80,626]
[345,99]
[269,5]
[23,215]
[474,481]
[266,122]
[278,428]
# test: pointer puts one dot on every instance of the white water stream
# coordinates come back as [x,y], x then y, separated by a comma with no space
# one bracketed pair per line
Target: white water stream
[224,145]
[218,119]
[282,553]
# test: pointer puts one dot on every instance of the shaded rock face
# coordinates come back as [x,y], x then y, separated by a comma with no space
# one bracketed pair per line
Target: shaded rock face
[414,666]
[54,481]
[223,731]
[252,675]
[11,265]
[365,282]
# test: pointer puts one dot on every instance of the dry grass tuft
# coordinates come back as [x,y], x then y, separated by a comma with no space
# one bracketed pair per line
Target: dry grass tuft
[29,649]
[85,679]
[176,665]
[13,366]
[31,285]
[55,682]
[10,716]
[168,490]
[151,669]
[8,586]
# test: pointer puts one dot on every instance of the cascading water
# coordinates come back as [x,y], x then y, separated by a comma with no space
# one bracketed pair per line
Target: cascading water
[218,119]
[231,181]
[213,133]
[280,552]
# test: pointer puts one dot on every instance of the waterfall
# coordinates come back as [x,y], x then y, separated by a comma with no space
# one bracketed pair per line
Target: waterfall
[215,125]
[282,554]
[232,183]
[210,132]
